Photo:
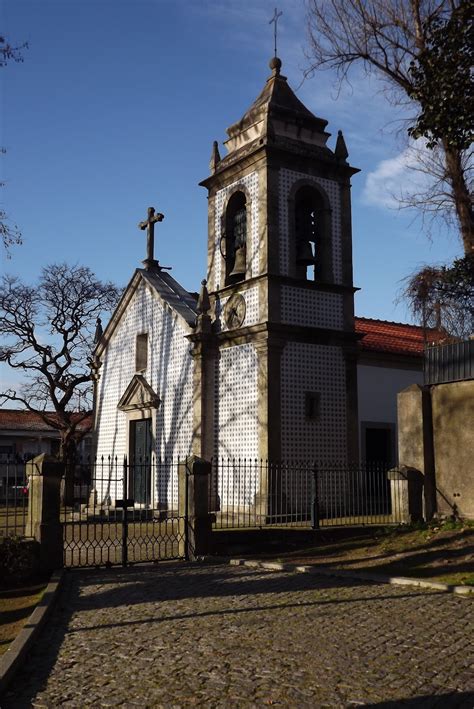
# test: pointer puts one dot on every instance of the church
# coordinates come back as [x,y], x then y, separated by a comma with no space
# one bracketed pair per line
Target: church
[263,364]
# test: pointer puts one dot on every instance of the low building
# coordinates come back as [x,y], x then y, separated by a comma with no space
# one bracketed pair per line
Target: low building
[390,359]
[24,434]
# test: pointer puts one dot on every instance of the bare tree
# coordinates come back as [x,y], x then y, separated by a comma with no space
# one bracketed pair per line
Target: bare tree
[393,39]
[48,331]
[9,233]
[442,297]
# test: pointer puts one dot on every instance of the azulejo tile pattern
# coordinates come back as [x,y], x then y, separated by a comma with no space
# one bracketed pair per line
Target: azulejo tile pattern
[300,306]
[307,367]
[237,402]
[169,373]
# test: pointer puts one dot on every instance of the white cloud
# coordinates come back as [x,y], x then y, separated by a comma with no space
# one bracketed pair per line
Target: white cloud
[393,180]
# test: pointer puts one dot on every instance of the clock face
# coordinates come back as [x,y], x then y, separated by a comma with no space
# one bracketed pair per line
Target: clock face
[234,311]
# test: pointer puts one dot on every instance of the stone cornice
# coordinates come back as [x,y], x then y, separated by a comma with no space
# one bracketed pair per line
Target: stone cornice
[286,333]
[283,280]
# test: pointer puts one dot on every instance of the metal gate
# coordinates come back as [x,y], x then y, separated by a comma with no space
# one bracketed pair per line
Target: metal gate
[105,524]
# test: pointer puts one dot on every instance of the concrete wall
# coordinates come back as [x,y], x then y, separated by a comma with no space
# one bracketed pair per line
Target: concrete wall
[453,436]
[378,388]
[377,398]
[436,436]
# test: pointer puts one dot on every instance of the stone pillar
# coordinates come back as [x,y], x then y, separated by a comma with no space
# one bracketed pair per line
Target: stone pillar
[415,439]
[43,522]
[195,524]
[269,351]
[205,355]
[406,491]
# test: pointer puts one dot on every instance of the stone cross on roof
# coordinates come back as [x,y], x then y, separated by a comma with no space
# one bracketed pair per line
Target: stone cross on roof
[149,225]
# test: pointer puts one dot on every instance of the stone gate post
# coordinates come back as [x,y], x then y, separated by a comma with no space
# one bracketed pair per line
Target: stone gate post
[406,491]
[195,521]
[43,521]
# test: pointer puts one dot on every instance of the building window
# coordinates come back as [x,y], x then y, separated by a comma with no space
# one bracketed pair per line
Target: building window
[312,401]
[378,443]
[141,352]
[306,232]
[236,239]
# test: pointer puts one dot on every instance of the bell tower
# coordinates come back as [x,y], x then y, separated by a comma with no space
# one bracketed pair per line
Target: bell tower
[280,281]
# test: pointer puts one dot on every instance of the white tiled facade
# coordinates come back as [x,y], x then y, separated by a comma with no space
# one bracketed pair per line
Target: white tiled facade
[237,427]
[314,368]
[250,183]
[237,403]
[311,308]
[305,367]
[169,373]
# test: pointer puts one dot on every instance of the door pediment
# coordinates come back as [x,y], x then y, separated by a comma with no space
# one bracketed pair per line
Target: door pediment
[138,395]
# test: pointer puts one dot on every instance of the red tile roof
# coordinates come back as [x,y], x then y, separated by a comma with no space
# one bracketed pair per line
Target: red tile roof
[16,419]
[394,337]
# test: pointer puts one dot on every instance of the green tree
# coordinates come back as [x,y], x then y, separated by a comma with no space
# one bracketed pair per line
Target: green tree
[404,42]
[441,75]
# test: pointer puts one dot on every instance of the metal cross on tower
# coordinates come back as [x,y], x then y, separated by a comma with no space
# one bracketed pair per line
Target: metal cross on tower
[149,225]
[275,21]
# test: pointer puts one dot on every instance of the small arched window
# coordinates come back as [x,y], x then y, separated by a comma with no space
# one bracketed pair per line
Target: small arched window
[306,232]
[312,235]
[236,239]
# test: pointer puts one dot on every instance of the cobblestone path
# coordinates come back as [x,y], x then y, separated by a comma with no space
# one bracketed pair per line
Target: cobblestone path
[180,635]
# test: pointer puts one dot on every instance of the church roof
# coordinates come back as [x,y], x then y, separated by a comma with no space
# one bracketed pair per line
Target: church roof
[276,114]
[165,287]
[277,99]
[24,420]
[172,293]
[394,337]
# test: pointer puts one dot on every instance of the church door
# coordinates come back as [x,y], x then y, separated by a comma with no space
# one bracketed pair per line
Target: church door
[140,469]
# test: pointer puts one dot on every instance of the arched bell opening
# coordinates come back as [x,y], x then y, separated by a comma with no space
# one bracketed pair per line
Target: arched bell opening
[312,243]
[235,239]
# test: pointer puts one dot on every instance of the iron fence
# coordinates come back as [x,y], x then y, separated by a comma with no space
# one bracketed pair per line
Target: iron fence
[13,498]
[257,493]
[449,363]
[117,511]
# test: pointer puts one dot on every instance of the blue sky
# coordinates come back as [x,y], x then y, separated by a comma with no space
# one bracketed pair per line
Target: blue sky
[115,109]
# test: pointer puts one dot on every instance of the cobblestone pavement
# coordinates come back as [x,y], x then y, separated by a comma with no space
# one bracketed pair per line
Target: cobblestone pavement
[181,635]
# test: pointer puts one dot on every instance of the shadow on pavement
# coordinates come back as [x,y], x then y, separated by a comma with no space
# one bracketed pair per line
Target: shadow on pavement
[452,700]
[87,592]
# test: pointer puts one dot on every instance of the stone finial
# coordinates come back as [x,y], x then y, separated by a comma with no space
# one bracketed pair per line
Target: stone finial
[215,157]
[341,149]
[275,65]
[203,320]
[203,304]
[98,331]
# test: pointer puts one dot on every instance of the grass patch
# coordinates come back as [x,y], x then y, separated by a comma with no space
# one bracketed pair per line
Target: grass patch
[436,551]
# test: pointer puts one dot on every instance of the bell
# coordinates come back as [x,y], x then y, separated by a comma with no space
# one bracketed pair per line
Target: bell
[304,254]
[238,272]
